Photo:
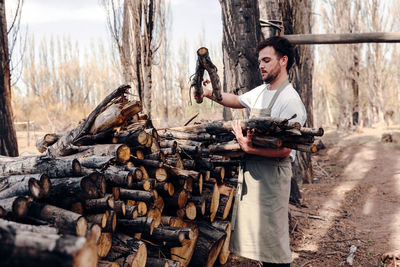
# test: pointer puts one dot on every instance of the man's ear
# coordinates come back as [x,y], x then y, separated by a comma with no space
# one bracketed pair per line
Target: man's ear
[284,60]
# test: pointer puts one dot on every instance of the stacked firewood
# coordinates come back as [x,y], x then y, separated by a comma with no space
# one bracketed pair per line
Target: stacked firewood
[115,191]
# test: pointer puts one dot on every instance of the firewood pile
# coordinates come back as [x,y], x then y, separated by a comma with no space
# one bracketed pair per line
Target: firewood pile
[115,191]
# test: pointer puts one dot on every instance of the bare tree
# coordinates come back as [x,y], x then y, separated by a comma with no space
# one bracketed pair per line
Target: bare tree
[8,138]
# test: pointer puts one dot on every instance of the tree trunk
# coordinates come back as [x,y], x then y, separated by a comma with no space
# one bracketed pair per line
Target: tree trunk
[294,13]
[241,31]
[8,137]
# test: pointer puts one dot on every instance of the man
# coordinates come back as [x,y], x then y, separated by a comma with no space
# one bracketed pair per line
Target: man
[261,230]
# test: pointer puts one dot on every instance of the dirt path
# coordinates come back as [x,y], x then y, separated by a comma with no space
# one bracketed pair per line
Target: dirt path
[354,202]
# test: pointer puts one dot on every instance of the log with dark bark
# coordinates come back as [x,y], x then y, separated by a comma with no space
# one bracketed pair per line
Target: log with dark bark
[102,263]
[52,167]
[138,225]
[16,206]
[100,204]
[35,185]
[184,253]
[209,245]
[212,70]
[29,248]
[171,134]
[212,197]
[137,195]
[100,218]
[162,262]
[226,227]
[117,177]
[103,137]
[178,200]
[127,251]
[66,221]
[120,152]
[131,212]
[197,82]
[225,201]
[132,138]
[97,162]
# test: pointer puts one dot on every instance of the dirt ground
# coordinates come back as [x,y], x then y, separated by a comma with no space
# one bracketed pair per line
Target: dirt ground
[352,204]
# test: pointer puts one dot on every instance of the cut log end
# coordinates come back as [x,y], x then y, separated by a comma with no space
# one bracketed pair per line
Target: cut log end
[123,153]
[81,227]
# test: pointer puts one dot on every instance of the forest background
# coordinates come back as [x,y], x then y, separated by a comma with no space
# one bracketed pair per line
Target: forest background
[56,81]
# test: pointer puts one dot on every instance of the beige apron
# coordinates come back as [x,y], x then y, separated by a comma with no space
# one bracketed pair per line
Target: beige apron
[260,229]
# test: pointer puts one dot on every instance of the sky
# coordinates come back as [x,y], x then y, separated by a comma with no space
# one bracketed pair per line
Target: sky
[83,21]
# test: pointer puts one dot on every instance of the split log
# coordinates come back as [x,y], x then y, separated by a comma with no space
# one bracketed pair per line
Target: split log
[184,253]
[114,115]
[104,244]
[200,203]
[52,167]
[25,248]
[212,197]
[111,223]
[225,201]
[64,145]
[66,221]
[155,214]
[208,246]
[224,226]
[128,251]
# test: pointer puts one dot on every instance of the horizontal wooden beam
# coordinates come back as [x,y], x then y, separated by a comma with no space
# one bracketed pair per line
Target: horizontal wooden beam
[345,38]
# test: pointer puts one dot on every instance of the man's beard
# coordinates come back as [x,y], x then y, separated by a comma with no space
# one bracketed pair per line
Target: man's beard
[272,75]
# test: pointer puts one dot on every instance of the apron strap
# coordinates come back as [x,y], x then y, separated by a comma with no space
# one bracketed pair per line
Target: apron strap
[277,93]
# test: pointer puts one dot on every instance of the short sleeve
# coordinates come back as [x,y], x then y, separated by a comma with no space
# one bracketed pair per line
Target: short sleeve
[245,100]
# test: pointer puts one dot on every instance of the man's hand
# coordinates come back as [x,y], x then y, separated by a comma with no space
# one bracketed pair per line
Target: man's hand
[207,92]
[245,142]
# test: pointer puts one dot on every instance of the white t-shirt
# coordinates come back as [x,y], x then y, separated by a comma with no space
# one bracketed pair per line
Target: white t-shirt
[287,104]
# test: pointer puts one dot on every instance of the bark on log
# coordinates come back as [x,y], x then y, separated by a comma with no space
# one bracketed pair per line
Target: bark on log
[114,115]
[52,167]
[97,162]
[100,204]
[225,201]
[226,227]
[120,208]
[64,145]
[266,141]
[127,251]
[138,225]
[41,229]
[135,138]
[117,177]
[184,254]
[131,212]
[169,134]
[108,264]
[208,246]
[120,152]
[100,218]
[162,262]
[178,200]
[212,197]
[212,70]
[67,221]
[104,137]
[23,248]
[46,140]
[137,195]
[197,81]
[17,206]
[35,185]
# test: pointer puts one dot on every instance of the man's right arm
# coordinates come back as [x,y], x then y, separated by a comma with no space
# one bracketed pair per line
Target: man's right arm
[228,99]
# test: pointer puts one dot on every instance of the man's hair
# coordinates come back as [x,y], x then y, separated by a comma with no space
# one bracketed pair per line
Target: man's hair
[282,46]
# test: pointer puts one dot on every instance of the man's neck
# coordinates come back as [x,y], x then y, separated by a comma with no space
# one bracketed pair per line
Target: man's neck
[275,84]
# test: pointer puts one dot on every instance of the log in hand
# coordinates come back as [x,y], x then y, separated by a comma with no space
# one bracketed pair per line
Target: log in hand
[245,142]
[207,91]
